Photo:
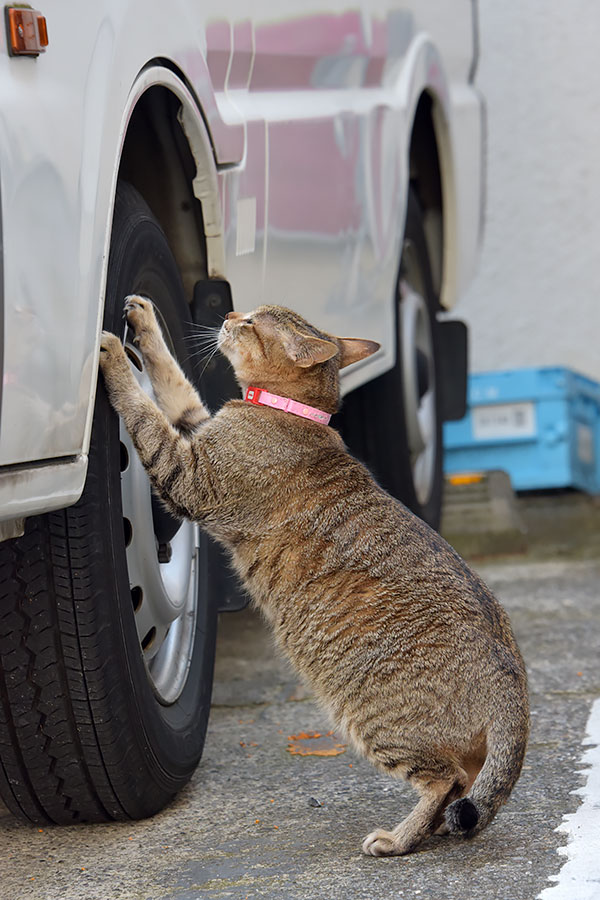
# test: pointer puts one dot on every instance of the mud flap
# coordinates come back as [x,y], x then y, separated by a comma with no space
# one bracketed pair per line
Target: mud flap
[453,363]
[211,303]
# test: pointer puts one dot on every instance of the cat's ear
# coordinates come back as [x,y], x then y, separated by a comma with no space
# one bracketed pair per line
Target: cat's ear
[353,349]
[306,351]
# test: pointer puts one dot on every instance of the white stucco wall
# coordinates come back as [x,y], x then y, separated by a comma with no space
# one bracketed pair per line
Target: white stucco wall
[536,298]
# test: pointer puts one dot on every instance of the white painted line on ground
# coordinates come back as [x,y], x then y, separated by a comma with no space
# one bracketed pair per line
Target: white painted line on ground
[579,878]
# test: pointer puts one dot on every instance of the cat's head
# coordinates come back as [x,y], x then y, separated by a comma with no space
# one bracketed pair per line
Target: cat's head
[276,349]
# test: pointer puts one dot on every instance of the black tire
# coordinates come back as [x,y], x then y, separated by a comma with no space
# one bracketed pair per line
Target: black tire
[374,420]
[83,734]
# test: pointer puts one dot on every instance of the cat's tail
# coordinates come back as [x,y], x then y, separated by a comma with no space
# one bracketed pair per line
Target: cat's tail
[495,781]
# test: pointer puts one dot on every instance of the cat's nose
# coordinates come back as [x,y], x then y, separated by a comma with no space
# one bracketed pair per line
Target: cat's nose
[233,315]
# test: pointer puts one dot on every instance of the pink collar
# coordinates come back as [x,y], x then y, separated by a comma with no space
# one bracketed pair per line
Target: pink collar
[263,398]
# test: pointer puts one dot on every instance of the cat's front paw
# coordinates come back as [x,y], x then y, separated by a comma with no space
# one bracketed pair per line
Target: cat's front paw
[113,362]
[111,351]
[140,316]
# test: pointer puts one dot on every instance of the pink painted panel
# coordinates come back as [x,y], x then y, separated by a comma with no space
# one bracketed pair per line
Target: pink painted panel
[313,177]
[242,55]
[289,54]
[218,51]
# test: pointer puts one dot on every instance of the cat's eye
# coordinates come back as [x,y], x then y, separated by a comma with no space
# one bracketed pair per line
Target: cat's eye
[249,321]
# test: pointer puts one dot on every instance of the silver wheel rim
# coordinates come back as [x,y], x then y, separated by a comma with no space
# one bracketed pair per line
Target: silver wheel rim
[419,393]
[164,594]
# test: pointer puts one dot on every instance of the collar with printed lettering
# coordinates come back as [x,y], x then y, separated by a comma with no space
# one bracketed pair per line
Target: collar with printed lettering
[263,398]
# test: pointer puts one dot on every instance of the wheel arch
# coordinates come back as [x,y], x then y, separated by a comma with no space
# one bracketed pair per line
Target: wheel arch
[424,92]
[167,155]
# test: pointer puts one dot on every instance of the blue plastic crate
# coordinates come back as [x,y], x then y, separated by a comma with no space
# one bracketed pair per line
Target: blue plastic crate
[542,426]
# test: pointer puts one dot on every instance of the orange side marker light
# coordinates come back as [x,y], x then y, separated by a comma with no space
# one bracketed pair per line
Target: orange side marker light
[27,31]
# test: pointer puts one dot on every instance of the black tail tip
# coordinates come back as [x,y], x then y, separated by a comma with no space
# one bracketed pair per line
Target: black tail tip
[462,815]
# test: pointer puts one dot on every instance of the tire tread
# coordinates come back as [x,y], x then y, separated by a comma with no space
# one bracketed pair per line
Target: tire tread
[43,699]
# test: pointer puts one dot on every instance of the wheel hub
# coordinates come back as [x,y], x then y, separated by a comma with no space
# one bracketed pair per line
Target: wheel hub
[418,383]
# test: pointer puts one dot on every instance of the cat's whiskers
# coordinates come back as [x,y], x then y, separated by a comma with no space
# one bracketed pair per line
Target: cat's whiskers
[202,340]
[207,341]
[204,350]
[203,333]
[209,360]
[205,329]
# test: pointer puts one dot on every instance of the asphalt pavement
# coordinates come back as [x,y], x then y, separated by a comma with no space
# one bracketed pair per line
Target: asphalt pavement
[275,812]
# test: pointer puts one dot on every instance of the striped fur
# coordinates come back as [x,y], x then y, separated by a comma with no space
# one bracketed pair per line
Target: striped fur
[399,639]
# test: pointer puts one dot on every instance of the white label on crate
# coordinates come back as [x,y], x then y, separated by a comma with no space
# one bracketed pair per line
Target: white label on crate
[585,443]
[503,420]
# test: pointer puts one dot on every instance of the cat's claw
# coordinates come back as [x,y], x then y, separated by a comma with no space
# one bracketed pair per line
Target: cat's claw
[136,304]
[135,300]
[140,314]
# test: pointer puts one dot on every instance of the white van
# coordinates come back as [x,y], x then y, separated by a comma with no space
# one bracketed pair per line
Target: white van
[327,161]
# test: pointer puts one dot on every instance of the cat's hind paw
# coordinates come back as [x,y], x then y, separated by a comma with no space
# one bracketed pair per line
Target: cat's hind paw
[380,843]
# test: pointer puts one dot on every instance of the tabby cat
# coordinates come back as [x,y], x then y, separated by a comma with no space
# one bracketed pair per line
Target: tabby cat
[403,644]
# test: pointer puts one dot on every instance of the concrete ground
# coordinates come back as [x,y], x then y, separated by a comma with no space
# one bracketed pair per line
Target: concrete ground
[259,821]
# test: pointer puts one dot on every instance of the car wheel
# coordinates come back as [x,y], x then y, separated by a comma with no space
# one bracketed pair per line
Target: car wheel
[107,628]
[394,422]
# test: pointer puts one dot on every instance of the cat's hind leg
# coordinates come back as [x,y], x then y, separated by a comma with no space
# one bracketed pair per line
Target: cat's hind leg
[175,396]
[437,789]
